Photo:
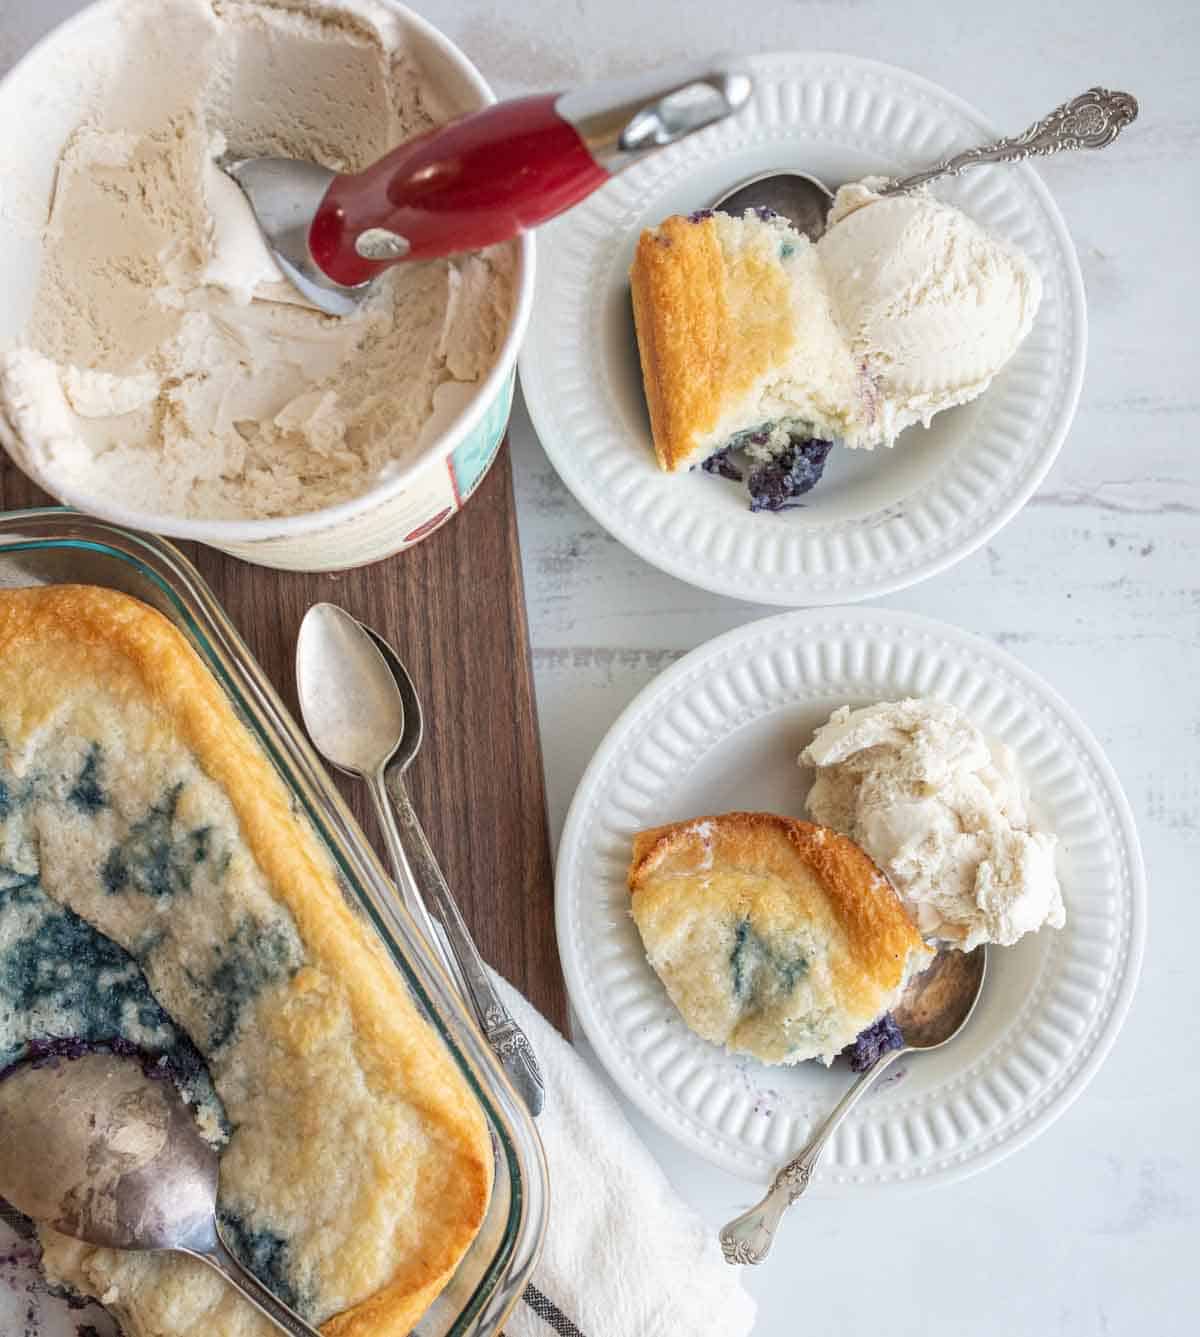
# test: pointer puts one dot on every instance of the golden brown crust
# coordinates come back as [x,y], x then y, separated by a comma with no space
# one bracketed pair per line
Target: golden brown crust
[681,316]
[826,873]
[708,328]
[64,634]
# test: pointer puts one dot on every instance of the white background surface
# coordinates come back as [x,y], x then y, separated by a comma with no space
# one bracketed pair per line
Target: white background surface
[1093,1230]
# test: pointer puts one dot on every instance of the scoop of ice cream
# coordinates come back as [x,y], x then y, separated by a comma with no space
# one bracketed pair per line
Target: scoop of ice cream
[167,367]
[944,812]
[239,260]
[931,304]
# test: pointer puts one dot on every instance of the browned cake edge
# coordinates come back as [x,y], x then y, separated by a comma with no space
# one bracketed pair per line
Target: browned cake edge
[879,935]
[681,314]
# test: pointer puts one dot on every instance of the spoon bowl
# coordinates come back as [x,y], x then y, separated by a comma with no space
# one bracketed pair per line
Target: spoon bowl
[354,714]
[94,1149]
[413,733]
[939,1001]
[98,1150]
[801,198]
[351,706]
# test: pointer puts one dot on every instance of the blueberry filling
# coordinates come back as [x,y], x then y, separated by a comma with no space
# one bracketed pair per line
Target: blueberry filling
[12,880]
[793,473]
[756,969]
[754,438]
[266,1255]
[737,958]
[86,793]
[871,1044]
[773,477]
[66,989]
[255,957]
[720,463]
[153,859]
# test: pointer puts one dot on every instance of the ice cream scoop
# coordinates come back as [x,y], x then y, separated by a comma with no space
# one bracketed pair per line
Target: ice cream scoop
[1090,121]
[481,179]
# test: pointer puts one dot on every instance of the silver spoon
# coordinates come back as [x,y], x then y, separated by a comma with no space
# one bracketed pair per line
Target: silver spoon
[935,1007]
[1090,121]
[507,1040]
[362,713]
[95,1149]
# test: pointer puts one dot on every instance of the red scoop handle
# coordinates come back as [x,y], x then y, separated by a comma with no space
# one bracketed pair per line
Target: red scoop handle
[490,176]
[477,181]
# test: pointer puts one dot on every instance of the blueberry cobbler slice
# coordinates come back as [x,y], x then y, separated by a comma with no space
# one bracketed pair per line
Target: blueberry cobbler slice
[778,461]
[772,937]
[746,375]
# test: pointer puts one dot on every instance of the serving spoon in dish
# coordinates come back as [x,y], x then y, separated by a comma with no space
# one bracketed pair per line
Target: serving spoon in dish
[98,1150]
[934,1008]
[1090,121]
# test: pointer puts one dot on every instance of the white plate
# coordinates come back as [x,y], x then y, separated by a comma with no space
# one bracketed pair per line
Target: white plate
[720,730]
[879,520]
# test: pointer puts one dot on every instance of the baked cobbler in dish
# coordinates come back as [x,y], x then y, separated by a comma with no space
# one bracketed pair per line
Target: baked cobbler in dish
[160,892]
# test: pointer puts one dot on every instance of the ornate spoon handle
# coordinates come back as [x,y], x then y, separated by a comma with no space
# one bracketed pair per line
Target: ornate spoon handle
[748,1238]
[1089,121]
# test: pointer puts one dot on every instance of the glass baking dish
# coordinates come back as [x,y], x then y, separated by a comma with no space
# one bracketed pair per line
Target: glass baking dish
[56,546]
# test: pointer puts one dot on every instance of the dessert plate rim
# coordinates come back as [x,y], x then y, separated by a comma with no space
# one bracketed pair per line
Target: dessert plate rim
[584,397]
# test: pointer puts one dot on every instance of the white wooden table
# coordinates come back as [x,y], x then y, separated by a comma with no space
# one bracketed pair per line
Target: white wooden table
[1092,1230]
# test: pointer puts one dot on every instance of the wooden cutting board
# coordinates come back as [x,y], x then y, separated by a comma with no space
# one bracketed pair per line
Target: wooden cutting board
[454,608]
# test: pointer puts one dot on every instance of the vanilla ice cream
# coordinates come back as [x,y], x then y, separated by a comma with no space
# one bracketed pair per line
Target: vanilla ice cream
[167,367]
[930,304]
[944,812]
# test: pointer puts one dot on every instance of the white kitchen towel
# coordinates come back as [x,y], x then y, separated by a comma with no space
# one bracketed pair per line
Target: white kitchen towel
[624,1255]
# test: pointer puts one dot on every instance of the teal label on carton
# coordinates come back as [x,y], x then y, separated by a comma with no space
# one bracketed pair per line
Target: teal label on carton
[474,456]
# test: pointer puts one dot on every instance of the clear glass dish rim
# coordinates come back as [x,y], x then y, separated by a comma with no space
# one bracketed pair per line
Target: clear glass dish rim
[259,705]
